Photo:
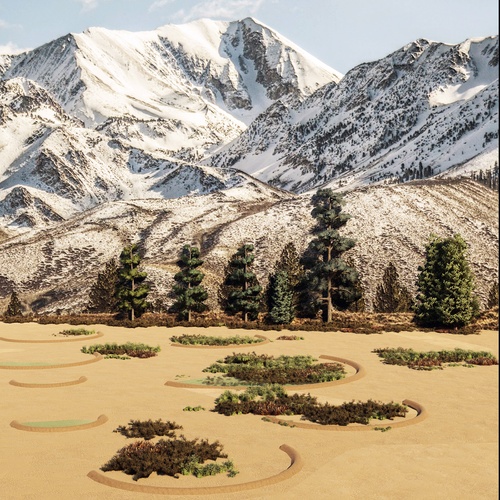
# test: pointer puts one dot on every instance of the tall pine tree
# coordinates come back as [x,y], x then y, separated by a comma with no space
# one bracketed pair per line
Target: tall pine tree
[281,293]
[191,295]
[280,296]
[331,282]
[131,289]
[241,288]
[102,295]
[391,296]
[445,285]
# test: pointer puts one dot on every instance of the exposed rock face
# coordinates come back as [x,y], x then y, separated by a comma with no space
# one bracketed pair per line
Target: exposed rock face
[417,113]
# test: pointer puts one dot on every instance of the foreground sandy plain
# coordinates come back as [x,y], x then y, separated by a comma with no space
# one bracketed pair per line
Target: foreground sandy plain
[453,453]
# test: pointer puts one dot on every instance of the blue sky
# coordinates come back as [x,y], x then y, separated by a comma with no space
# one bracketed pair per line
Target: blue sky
[341,33]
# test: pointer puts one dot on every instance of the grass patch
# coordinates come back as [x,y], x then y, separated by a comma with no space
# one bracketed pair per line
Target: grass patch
[76,332]
[134,350]
[274,400]
[57,423]
[433,360]
[208,340]
[255,368]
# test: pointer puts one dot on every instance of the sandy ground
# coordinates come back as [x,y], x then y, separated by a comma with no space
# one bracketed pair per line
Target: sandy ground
[451,454]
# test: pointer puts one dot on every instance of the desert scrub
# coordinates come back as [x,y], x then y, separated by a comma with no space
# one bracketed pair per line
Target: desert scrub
[134,350]
[168,457]
[76,331]
[274,400]
[434,359]
[193,408]
[265,369]
[186,339]
[148,429]
[289,337]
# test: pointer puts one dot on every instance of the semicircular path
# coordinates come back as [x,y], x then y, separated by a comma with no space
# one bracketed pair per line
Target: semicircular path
[421,415]
[229,346]
[80,380]
[360,373]
[295,466]
[52,341]
[34,366]
[58,425]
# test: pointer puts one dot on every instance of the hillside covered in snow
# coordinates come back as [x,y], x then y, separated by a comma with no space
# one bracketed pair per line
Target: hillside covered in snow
[217,133]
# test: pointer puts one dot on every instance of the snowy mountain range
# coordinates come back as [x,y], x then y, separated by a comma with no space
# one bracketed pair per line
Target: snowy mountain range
[106,132]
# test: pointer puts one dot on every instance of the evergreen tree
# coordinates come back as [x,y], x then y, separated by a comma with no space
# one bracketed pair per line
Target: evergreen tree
[131,291]
[445,285]
[281,308]
[241,287]
[390,296]
[289,263]
[493,296]
[102,295]
[332,283]
[189,291]
[14,308]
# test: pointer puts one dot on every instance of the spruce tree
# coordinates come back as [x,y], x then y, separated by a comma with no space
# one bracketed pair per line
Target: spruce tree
[242,290]
[445,285]
[191,295]
[131,289]
[391,296]
[280,293]
[102,295]
[14,308]
[331,282]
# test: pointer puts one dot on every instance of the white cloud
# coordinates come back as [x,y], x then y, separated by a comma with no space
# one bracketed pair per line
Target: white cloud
[158,4]
[11,48]
[219,9]
[88,4]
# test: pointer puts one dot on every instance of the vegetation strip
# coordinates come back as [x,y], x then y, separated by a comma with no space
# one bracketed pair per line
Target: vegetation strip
[432,360]
[360,373]
[76,339]
[296,464]
[97,357]
[81,380]
[421,415]
[35,426]
[264,340]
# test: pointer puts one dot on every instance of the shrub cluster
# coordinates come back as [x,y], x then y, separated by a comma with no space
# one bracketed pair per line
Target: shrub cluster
[148,429]
[273,400]
[289,337]
[186,339]
[265,369]
[171,457]
[135,350]
[434,359]
[77,331]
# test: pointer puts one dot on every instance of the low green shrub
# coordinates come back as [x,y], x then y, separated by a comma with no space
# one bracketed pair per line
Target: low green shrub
[77,331]
[193,408]
[135,350]
[186,339]
[289,337]
[434,359]
[148,429]
[255,368]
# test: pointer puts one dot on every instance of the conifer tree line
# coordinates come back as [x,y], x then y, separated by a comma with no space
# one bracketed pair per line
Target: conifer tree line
[312,285]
